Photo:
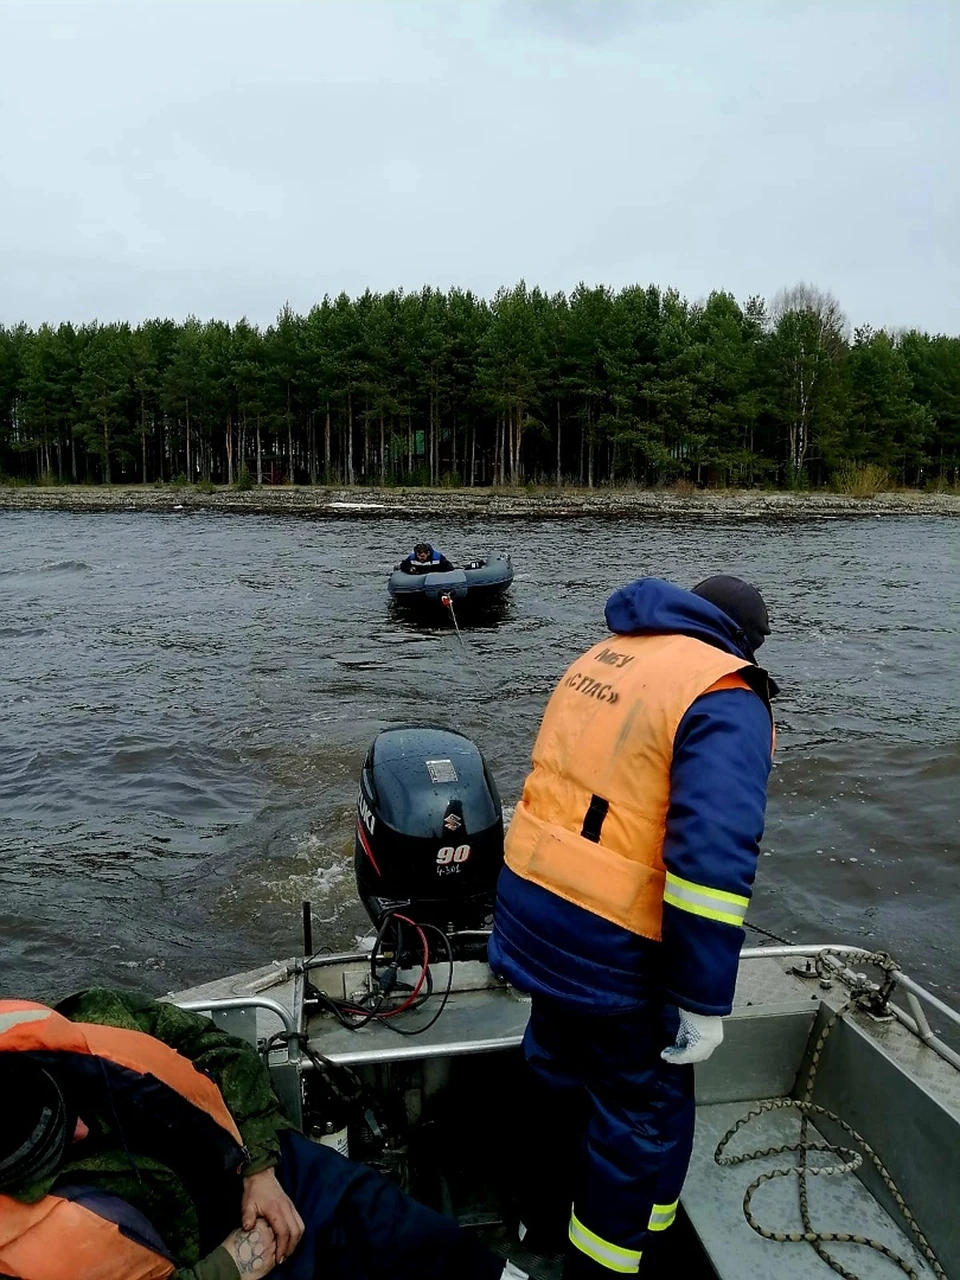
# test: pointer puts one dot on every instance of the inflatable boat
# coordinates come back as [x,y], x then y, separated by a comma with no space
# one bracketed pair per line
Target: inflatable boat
[481,581]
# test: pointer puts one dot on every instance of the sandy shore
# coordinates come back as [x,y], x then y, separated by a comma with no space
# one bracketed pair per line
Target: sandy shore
[543,503]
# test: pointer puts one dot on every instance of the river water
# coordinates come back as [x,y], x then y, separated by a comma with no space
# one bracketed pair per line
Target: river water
[187,700]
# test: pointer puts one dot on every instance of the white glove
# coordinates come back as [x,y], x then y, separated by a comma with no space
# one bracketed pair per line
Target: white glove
[697,1037]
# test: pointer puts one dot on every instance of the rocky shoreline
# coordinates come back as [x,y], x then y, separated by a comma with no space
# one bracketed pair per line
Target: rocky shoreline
[320,502]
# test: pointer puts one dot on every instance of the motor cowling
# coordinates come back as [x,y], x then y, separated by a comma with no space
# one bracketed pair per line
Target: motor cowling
[429,837]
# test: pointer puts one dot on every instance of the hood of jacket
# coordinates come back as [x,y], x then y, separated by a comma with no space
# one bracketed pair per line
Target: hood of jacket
[653,607]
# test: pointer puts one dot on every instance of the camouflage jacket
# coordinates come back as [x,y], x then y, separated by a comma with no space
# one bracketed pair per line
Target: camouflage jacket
[146,1183]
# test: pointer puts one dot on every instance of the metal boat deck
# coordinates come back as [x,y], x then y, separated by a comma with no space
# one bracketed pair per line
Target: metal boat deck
[894,1080]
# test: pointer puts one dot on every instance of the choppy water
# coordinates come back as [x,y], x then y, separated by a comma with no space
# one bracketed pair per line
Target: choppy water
[187,700]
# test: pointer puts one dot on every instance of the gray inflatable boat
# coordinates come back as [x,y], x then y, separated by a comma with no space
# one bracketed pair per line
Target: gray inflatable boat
[481,581]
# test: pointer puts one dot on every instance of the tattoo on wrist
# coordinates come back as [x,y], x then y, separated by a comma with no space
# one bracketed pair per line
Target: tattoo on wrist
[250,1251]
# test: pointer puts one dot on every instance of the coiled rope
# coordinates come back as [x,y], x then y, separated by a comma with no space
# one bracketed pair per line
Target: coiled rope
[864,993]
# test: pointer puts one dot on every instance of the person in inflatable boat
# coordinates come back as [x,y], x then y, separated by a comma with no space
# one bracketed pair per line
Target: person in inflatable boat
[426,559]
[140,1142]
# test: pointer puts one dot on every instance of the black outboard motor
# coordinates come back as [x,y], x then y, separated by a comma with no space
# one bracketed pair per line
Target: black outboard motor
[429,840]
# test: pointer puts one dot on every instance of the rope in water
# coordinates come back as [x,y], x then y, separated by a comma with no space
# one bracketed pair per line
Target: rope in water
[447,602]
[850,1161]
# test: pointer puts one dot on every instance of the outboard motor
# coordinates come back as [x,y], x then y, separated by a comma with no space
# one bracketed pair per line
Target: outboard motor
[429,841]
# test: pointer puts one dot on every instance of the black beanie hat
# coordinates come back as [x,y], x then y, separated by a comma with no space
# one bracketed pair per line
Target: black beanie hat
[36,1125]
[739,601]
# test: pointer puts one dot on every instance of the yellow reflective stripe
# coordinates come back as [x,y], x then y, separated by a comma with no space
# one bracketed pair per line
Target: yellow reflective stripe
[701,900]
[612,1256]
[720,894]
[662,1216]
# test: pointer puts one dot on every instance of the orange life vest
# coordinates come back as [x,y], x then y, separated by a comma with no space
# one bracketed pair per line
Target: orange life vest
[58,1236]
[591,822]
[55,1238]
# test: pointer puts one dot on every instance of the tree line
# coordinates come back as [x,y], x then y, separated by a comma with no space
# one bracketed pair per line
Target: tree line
[636,386]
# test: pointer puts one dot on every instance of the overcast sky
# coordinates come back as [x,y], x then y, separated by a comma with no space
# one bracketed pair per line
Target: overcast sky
[219,157]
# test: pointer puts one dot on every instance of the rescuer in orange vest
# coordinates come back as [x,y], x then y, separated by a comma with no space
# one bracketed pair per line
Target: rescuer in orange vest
[120,1159]
[628,870]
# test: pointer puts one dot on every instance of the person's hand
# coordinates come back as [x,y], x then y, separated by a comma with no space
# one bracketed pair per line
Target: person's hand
[253,1249]
[697,1037]
[263,1197]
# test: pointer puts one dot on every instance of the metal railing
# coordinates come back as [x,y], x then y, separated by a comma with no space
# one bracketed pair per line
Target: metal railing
[915,1020]
[246,1004]
[914,1017]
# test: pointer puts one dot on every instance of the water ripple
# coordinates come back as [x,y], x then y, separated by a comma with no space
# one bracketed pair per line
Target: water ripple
[187,705]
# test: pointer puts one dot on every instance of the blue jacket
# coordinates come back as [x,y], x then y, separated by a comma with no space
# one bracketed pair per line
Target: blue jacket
[438,563]
[718,786]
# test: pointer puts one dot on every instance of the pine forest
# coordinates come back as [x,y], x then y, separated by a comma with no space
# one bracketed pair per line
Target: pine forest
[599,388]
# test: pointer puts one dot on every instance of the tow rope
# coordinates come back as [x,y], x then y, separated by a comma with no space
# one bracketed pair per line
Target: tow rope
[447,601]
[864,994]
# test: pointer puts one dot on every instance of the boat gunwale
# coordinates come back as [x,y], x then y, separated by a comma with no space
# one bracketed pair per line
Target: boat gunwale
[914,1021]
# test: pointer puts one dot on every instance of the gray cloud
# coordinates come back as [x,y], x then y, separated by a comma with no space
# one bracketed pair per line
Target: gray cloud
[595,21]
[169,157]
[581,19]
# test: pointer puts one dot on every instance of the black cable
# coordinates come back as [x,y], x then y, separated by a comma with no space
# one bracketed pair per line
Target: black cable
[351,1016]
[326,1068]
[418,1031]
[428,983]
[272,1041]
[765,933]
[354,1016]
[302,966]
[378,942]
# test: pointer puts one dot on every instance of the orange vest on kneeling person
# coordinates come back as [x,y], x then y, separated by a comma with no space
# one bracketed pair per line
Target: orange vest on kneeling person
[590,825]
[64,1234]
[57,1237]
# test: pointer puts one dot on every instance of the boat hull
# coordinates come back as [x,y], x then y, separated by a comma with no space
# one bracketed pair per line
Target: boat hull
[485,583]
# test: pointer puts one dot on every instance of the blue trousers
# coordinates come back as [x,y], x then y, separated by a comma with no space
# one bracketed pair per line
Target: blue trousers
[600,1086]
[360,1226]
